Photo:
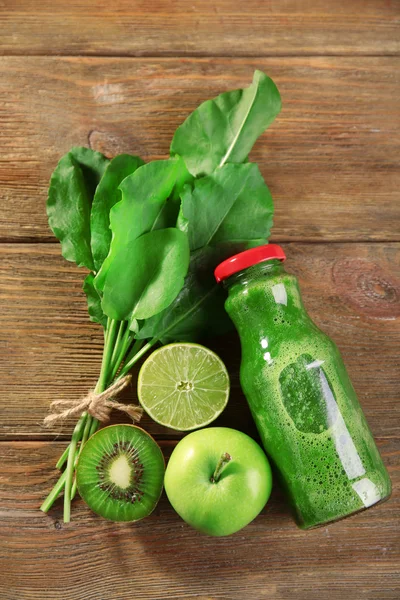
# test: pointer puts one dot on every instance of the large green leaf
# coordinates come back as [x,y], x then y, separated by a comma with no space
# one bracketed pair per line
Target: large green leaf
[198,310]
[92,164]
[233,205]
[225,128]
[146,275]
[107,194]
[171,208]
[145,194]
[95,311]
[72,187]
[223,214]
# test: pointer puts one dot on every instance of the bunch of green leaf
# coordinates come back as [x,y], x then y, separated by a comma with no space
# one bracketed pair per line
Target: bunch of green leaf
[151,235]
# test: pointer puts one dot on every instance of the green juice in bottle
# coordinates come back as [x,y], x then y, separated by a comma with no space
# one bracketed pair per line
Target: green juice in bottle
[300,395]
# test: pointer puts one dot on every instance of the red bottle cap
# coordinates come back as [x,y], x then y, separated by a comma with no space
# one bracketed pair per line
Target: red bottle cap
[248,258]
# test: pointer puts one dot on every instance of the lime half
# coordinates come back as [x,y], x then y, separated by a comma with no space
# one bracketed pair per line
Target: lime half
[183,386]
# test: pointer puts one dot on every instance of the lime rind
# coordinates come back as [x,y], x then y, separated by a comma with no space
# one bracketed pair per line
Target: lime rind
[183,386]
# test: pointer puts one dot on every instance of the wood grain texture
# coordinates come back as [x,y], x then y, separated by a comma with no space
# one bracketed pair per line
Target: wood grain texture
[50,350]
[200,27]
[163,558]
[331,158]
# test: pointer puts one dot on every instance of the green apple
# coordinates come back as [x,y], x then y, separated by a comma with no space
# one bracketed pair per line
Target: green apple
[218,480]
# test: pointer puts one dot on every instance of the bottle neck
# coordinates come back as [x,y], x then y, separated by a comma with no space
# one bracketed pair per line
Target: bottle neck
[246,276]
[265,296]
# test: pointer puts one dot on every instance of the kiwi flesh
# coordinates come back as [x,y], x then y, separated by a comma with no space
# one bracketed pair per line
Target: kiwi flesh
[120,473]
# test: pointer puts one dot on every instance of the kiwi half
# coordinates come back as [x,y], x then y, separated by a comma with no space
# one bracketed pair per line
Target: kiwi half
[120,473]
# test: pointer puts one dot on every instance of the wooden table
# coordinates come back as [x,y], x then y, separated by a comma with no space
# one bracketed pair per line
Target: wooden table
[120,76]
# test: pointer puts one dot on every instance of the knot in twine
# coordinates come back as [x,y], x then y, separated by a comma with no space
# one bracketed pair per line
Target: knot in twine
[98,406]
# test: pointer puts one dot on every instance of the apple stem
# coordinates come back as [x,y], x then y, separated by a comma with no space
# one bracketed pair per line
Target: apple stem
[223,461]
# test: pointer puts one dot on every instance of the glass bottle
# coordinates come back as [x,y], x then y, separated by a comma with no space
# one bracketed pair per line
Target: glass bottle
[300,395]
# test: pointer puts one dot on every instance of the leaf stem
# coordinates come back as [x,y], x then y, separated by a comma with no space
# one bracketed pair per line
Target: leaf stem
[94,427]
[116,349]
[124,345]
[83,442]
[69,471]
[128,365]
[52,497]
[107,353]
[61,461]
[134,350]
[107,330]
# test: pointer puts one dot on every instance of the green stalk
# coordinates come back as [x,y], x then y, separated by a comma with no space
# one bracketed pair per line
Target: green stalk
[125,343]
[103,379]
[69,471]
[138,344]
[107,354]
[94,427]
[117,344]
[62,459]
[112,325]
[85,435]
[128,365]
[52,497]
[83,442]
[120,346]
[134,350]
[49,500]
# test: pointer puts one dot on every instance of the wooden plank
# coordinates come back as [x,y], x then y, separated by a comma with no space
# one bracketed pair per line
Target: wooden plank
[331,159]
[49,349]
[200,27]
[161,557]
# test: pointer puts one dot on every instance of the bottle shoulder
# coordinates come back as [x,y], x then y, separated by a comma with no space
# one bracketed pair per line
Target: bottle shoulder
[271,349]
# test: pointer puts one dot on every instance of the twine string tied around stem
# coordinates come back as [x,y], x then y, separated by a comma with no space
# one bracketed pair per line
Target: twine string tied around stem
[98,406]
